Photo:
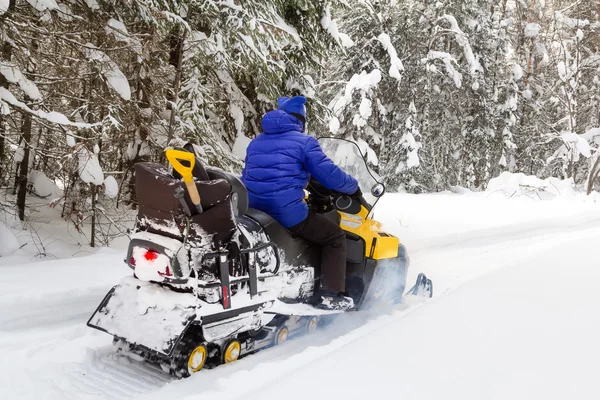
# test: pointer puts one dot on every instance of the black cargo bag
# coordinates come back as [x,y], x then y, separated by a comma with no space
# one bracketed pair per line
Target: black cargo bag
[161,213]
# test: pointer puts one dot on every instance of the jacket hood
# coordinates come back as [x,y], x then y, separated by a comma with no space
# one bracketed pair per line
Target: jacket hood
[278,121]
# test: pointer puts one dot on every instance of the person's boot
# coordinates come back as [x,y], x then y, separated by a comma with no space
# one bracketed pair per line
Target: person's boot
[328,300]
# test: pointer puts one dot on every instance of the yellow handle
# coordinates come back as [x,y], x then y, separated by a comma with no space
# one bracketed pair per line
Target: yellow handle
[174,157]
[193,191]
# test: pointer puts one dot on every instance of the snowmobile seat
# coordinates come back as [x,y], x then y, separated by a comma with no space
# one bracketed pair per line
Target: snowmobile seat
[295,248]
[240,198]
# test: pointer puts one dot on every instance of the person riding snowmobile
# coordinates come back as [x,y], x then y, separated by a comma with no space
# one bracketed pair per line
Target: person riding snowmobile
[279,163]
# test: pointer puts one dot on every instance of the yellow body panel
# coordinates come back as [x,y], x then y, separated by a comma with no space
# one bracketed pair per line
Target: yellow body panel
[386,245]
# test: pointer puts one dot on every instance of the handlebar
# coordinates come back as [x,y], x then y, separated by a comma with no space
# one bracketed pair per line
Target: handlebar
[324,200]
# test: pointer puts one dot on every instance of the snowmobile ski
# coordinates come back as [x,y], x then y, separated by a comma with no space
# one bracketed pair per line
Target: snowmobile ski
[423,287]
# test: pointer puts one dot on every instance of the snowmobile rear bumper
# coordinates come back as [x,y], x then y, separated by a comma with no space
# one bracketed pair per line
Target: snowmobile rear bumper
[146,315]
[155,318]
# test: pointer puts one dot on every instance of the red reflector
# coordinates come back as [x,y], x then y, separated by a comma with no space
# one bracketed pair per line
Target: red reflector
[167,272]
[225,297]
[151,255]
[132,261]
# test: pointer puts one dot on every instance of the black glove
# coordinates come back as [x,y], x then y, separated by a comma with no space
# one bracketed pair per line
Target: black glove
[356,194]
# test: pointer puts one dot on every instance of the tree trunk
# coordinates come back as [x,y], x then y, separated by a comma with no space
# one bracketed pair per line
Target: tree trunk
[593,176]
[24,170]
[176,85]
[6,54]
[93,229]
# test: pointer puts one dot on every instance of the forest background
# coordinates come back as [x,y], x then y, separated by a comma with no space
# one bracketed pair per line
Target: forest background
[438,94]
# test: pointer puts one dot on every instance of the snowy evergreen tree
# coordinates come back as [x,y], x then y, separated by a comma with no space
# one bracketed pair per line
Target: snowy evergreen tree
[437,94]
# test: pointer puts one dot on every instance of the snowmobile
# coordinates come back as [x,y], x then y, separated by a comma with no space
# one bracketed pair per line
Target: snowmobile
[214,280]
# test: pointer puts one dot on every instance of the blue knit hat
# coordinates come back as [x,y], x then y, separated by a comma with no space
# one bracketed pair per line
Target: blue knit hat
[294,106]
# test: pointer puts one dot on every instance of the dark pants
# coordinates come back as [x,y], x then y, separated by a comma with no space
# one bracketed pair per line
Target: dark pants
[332,239]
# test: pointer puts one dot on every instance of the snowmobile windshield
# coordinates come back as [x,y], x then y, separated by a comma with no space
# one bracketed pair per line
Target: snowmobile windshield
[347,155]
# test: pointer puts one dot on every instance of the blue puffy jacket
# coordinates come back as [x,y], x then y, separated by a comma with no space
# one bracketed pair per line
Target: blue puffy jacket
[279,164]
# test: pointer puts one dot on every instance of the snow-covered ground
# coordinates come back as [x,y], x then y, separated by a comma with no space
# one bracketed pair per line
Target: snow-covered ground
[514,315]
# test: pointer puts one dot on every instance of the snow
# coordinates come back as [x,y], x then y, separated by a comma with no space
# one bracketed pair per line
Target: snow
[43,5]
[111,187]
[517,72]
[114,77]
[577,143]
[363,81]
[501,336]
[92,4]
[238,117]
[330,25]
[306,86]
[118,29]
[284,26]
[396,64]
[42,185]
[562,70]
[531,29]
[150,305]
[89,167]
[161,226]
[570,22]
[514,315]
[250,43]
[463,41]
[365,108]
[10,244]
[150,270]
[592,134]
[19,153]
[65,12]
[71,140]
[334,125]
[4,6]
[519,184]
[54,117]
[4,109]
[448,60]
[13,74]
[241,144]
[368,151]
[132,149]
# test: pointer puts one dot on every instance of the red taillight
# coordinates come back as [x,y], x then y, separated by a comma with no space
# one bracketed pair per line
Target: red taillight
[151,255]
[150,264]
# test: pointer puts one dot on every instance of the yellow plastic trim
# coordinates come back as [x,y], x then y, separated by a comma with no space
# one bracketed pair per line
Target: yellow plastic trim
[197,359]
[368,229]
[232,352]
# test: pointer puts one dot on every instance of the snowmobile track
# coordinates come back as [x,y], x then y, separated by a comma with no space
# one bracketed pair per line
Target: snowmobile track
[114,376]
[56,310]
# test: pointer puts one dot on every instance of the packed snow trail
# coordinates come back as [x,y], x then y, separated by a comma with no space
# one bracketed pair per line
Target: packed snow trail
[529,331]
[514,291]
